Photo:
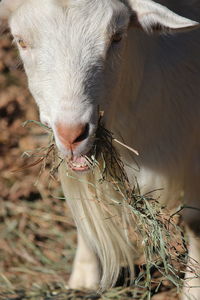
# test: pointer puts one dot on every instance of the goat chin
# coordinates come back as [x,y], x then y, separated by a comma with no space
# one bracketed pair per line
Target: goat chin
[103,226]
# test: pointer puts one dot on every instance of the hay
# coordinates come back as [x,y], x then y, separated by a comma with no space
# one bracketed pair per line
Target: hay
[159,233]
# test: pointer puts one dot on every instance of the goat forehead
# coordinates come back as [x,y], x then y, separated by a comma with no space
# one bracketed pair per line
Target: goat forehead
[46,15]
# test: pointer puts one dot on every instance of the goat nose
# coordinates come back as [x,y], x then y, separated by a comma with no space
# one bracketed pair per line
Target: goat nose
[72,135]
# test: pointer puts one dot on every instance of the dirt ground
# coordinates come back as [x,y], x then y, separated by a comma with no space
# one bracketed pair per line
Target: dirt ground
[37,234]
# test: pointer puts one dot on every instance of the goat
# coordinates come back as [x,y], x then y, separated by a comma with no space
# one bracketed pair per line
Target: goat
[83,54]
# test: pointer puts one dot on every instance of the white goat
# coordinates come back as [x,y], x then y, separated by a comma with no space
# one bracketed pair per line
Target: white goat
[82,54]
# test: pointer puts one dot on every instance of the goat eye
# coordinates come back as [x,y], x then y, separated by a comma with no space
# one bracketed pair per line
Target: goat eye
[117,37]
[22,44]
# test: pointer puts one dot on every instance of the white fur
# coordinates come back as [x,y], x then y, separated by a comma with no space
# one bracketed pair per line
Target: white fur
[149,89]
[8,6]
[85,272]
[191,286]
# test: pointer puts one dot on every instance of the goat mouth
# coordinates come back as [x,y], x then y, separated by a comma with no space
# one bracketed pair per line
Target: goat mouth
[79,164]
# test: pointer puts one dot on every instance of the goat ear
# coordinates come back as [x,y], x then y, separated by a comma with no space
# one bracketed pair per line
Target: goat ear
[7,7]
[151,16]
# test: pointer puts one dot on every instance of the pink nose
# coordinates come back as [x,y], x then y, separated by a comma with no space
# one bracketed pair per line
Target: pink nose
[72,135]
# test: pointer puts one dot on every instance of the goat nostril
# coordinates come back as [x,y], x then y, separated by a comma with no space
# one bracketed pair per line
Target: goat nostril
[84,134]
[71,136]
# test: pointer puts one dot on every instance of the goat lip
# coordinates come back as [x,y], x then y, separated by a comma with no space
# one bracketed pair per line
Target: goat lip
[80,169]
